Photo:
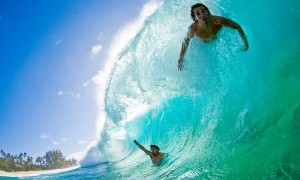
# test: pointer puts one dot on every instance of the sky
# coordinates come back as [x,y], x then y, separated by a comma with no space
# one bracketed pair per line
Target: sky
[50,51]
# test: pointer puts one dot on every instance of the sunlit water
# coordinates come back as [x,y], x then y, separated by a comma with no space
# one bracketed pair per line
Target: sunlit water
[229,114]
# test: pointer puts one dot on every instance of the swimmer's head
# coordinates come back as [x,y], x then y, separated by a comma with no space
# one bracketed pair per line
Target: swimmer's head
[154,146]
[193,16]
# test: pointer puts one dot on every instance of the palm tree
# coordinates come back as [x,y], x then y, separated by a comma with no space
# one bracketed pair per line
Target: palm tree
[3,154]
[8,156]
[25,155]
[39,160]
[20,158]
[15,158]
[29,163]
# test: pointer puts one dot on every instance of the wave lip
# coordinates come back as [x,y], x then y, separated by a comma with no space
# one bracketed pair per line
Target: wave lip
[112,143]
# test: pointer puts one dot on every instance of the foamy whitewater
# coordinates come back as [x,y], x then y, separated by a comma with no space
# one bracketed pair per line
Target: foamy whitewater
[228,114]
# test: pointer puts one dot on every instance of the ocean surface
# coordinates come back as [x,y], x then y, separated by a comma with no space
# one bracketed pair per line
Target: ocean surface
[229,114]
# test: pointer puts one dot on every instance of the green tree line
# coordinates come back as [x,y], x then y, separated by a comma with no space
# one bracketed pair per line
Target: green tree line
[51,160]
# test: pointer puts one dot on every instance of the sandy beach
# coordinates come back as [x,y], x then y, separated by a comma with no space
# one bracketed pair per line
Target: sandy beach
[34,173]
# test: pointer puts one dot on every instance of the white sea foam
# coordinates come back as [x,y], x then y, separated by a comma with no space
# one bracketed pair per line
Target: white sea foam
[94,155]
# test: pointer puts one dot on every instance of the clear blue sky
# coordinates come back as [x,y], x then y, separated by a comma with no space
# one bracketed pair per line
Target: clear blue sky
[50,49]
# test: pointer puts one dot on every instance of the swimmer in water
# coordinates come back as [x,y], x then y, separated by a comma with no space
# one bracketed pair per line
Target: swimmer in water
[206,27]
[154,154]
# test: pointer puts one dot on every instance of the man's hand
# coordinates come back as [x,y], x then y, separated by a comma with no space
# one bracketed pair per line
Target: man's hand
[180,64]
[245,42]
[246,46]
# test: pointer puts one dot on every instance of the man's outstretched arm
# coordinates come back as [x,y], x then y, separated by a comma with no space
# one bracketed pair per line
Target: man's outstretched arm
[143,148]
[184,46]
[234,25]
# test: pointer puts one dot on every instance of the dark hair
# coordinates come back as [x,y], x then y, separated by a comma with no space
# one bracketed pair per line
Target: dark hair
[195,6]
[154,146]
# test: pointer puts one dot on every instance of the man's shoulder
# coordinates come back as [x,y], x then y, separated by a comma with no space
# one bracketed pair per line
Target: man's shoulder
[192,28]
[220,20]
[217,19]
[193,25]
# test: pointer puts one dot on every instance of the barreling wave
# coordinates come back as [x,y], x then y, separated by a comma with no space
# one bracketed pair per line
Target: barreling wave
[228,114]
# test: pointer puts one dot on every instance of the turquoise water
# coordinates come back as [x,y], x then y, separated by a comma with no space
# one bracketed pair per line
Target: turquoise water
[229,114]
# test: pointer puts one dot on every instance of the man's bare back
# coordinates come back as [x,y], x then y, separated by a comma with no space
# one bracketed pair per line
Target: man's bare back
[157,158]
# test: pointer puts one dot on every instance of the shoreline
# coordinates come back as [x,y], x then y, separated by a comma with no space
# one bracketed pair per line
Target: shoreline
[34,173]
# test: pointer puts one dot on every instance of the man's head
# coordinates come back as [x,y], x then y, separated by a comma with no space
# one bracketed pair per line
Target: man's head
[154,149]
[196,6]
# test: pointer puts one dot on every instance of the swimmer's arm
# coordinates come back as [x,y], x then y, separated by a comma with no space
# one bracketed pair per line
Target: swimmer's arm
[234,25]
[184,46]
[143,148]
